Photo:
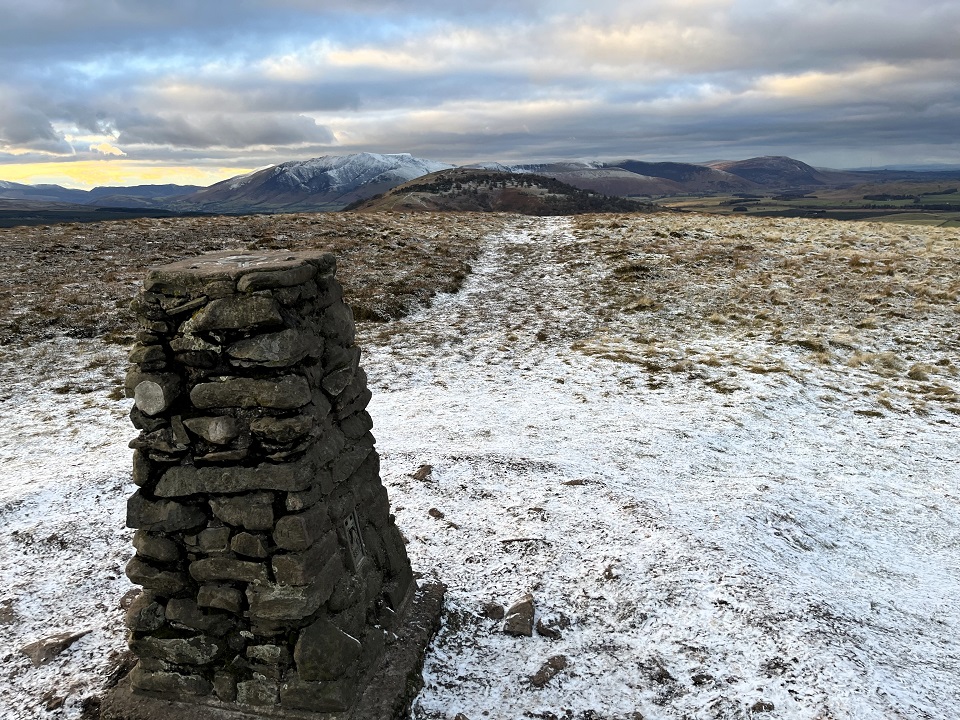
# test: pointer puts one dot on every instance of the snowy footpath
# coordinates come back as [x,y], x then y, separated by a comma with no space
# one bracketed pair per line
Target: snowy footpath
[760,553]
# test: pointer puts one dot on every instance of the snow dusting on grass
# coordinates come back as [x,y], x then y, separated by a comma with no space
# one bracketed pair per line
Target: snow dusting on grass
[704,540]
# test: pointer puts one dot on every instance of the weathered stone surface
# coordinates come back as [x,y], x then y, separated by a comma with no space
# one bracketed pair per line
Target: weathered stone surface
[198,650]
[329,445]
[493,610]
[155,393]
[349,590]
[519,619]
[337,324]
[164,582]
[258,692]
[147,354]
[169,683]
[276,278]
[233,313]
[354,406]
[144,614]
[356,425]
[155,547]
[252,512]
[159,441]
[219,429]
[548,630]
[396,552]
[329,291]
[340,377]
[351,392]
[269,654]
[192,343]
[179,308]
[304,567]
[43,651]
[282,430]
[224,568]
[298,532]
[227,267]
[297,501]
[225,686]
[351,459]
[224,456]
[164,516]
[203,359]
[145,422]
[377,503]
[214,540]
[270,603]
[285,393]
[185,480]
[549,670]
[186,613]
[250,545]
[179,431]
[324,652]
[334,696]
[220,597]
[279,349]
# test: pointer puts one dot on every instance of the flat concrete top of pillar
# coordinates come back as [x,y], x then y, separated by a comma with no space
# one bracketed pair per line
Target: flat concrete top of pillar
[250,270]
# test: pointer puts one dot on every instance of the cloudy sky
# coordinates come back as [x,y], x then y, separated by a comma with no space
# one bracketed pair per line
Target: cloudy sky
[193,91]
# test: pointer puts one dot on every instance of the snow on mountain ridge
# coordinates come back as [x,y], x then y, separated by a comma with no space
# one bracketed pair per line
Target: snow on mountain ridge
[349,171]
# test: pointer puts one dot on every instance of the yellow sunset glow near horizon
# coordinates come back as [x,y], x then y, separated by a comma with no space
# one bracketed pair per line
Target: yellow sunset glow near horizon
[87,174]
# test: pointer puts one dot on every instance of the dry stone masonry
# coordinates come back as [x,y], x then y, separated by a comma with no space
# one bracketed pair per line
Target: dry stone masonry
[273,572]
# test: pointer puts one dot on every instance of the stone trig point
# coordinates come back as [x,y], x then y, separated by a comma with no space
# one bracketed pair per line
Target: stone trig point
[275,582]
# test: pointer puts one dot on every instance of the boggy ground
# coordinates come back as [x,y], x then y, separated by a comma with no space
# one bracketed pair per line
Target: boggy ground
[719,452]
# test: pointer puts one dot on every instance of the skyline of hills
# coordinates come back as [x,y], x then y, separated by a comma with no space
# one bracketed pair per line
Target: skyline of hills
[333,182]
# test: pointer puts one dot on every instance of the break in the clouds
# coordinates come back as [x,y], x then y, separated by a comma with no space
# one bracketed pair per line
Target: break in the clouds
[245,83]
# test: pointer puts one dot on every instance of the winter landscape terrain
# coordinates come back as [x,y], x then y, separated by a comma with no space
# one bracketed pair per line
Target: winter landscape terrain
[720,452]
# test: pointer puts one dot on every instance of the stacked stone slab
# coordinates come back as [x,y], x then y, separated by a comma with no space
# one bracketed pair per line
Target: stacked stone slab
[272,569]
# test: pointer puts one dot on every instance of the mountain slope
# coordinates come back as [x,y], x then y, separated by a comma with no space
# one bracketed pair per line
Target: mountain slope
[467,189]
[689,177]
[775,172]
[324,183]
[634,177]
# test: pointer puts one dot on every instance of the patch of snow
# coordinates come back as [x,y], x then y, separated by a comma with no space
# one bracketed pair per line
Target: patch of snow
[239,181]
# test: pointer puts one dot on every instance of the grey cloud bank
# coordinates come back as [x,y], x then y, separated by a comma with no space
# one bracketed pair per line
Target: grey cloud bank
[251,83]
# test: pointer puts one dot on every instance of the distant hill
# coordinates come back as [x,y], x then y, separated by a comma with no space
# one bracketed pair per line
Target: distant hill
[635,178]
[774,172]
[323,183]
[480,190]
[688,177]
[137,196]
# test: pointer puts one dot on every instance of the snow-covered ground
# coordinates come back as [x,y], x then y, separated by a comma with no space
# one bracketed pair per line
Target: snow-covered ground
[761,551]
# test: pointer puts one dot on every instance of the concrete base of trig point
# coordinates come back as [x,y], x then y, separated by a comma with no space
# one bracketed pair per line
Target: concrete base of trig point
[275,581]
[388,695]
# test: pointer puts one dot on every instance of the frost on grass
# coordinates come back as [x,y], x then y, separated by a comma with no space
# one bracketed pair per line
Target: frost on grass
[875,302]
[715,511]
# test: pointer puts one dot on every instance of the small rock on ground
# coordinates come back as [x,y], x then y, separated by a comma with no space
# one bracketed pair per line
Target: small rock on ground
[519,619]
[549,670]
[43,651]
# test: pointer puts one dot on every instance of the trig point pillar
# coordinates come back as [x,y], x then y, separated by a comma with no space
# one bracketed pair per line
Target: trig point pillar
[275,582]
